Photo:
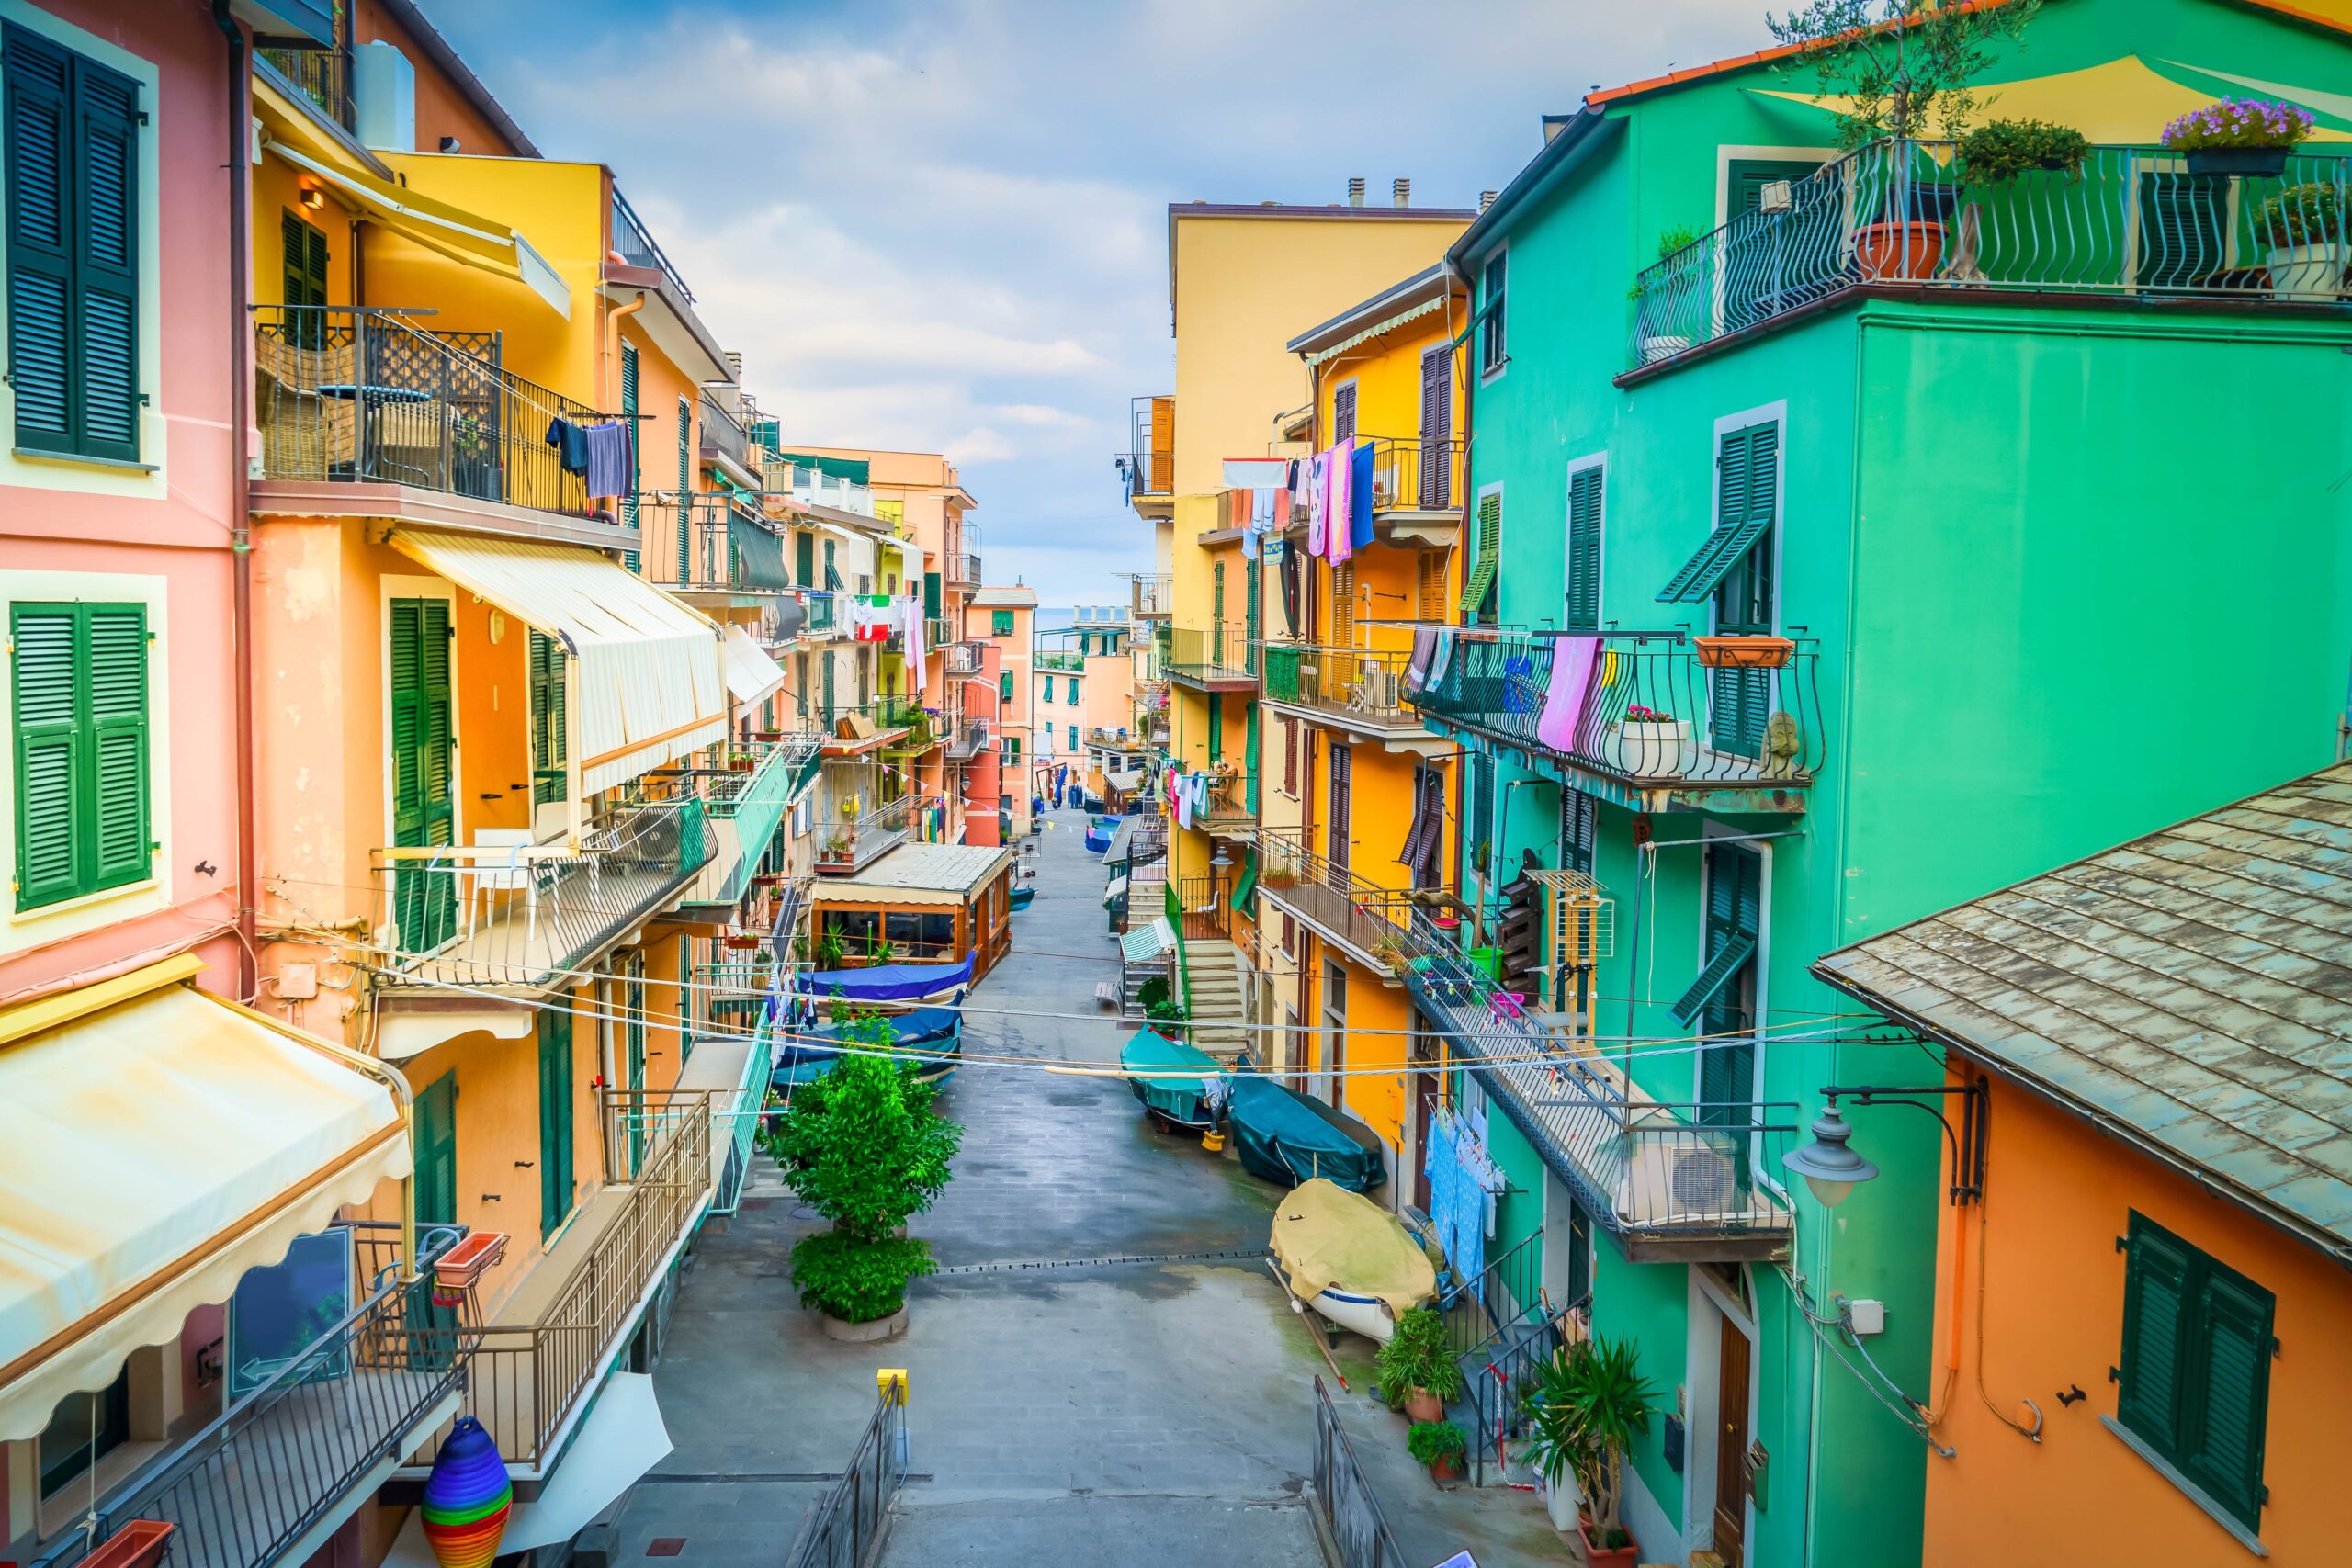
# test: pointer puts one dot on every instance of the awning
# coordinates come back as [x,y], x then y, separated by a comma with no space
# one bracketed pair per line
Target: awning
[1256,473]
[759,552]
[447,230]
[1118,885]
[1146,944]
[750,673]
[1704,571]
[646,687]
[622,1437]
[919,873]
[401,1034]
[156,1142]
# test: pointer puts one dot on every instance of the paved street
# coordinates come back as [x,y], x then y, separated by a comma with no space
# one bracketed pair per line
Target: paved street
[1063,1414]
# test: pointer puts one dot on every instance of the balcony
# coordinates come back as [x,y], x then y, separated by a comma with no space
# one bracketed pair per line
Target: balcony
[1417,484]
[1061,660]
[521,916]
[1148,465]
[365,397]
[314,1439]
[938,631]
[851,838]
[1220,659]
[1151,595]
[1368,922]
[969,738]
[1672,1183]
[633,243]
[1116,740]
[746,802]
[321,75]
[854,730]
[1899,217]
[1660,729]
[962,659]
[707,543]
[810,486]
[722,438]
[962,569]
[1353,689]
[912,730]
[1227,813]
[546,1348]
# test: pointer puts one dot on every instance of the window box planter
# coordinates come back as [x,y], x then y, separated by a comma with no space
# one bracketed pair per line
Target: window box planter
[2226,161]
[1653,750]
[1744,652]
[137,1543]
[2310,271]
[743,943]
[465,1263]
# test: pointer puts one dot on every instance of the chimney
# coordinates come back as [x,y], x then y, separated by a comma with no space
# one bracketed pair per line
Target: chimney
[1400,192]
[1355,190]
[1486,199]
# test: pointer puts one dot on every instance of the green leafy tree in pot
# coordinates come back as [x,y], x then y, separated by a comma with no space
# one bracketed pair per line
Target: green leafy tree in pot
[1588,1403]
[1438,1445]
[1903,66]
[1417,1372]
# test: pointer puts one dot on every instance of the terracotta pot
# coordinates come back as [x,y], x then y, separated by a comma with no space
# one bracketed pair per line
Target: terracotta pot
[1744,652]
[1446,1469]
[136,1543]
[1912,250]
[1598,1556]
[1421,1406]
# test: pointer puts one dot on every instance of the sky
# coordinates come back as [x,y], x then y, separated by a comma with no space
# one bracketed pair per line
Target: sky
[940,225]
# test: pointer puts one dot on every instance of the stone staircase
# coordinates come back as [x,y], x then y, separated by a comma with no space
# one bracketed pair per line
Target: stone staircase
[1218,1008]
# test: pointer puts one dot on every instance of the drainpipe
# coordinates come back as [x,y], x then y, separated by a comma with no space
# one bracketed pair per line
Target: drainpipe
[241,544]
[610,395]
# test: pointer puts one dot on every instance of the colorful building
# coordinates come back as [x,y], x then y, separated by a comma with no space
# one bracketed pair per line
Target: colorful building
[1742,437]
[997,718]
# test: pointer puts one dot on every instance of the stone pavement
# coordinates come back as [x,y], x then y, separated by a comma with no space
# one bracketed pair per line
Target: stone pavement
[1078,1413]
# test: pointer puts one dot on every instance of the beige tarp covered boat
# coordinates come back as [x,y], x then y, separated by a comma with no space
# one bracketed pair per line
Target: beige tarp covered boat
[1349,1258]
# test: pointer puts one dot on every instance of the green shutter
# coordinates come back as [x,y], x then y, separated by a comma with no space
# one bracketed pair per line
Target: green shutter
[1216,728]
[555,1098]
[1000,623]
[305,265]
[2230,1393]
[423,812]
[1004,685]
[1718,973]
[72,135]
[1251,581]
[930,590]
[82,762]
[551,732]
[1250,761]
[1480,585]
[1583,550]
[1748,469]
[633,1033]
[685,488]
[628,417]
[804,550]
[434,1136]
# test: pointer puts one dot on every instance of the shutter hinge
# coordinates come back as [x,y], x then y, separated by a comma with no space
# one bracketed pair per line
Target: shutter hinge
[2275,1348]
[2122,1244]
[2114,1374]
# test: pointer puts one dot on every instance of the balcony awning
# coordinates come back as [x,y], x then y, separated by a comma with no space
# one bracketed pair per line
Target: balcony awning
[156,1141]
[750,673]
[759,552]
[647,686]
[447,230]
[1704,572]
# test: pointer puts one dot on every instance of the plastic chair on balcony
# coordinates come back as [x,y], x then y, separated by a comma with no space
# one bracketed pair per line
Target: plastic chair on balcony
[515,873]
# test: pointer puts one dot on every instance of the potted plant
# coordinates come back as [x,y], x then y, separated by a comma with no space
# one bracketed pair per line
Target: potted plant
[742,942]
[863,1146]
[741,762]
[1901,68]
[1416,1371]
[1438,1445]
[2001,150]
[1588,1404]
[831,951]
[2304,226]
[1653,742]
[1660,296]
[2239,135]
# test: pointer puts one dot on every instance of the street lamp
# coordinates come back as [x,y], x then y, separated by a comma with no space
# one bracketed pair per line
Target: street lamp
[1833,1169]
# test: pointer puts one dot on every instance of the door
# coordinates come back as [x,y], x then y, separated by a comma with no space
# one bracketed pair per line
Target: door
[1731,1447]
[1339,828]
[1437,428]
[1424,1093]
[424,762]
[827,661]
[1748,481]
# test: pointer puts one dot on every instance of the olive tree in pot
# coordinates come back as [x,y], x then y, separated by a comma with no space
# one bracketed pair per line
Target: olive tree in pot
[863,1147]
[1588,1404]
[1417,1372]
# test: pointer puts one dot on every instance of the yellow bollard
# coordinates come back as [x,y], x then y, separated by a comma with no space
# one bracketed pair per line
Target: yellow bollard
[890,1384]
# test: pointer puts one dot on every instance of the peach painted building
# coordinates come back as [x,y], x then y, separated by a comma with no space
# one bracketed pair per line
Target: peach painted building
[1000,620]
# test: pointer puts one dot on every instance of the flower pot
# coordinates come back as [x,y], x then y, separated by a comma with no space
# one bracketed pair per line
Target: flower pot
[1598,1556]
[2315,271]
[881,1328]
[1665,347]
[1913,250]
[135,1543]
[1446,1469]
[1744,652]
[1421,1406]
[743,943]
[2235,160]
[1655,750]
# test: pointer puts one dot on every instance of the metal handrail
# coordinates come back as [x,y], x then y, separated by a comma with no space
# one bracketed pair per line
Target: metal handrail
[1349,1506]
[1152,593]
[722,433]
[1151,467]
[635,244]
[1212,653]
[845,1528]
[1351,683]
[1411,473]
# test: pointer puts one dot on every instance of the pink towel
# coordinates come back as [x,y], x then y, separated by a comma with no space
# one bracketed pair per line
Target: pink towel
[1574,660]
[1341,461]
[1318,505]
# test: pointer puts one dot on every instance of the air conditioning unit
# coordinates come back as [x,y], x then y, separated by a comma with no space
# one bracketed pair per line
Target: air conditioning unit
[1706,1181]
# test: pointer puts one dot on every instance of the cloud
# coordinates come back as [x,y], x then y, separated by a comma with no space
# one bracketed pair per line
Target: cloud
[940,224]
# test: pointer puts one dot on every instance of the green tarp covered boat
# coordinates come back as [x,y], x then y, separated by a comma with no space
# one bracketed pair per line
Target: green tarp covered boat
[1283,1135]
[1175,1100]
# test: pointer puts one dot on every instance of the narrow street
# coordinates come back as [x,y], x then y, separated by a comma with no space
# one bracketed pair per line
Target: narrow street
[1061,1410]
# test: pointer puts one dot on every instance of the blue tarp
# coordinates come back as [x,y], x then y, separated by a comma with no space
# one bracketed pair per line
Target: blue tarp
[930,1031]
[885,982]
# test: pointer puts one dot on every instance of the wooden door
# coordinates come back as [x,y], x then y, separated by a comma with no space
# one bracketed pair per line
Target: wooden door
[1731,1448]
[1437,428]
[1336,826]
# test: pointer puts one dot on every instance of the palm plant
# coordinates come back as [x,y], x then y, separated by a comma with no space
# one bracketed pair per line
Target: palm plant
[1588,1404]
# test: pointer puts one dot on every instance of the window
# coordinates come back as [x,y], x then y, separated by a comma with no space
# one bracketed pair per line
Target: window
[1343,412]
[84,1428]
[1491,353]
[305,278]
[999,622]
[1012,750]
[1480,809]
[1583,614]
[2195,1379]
[1004,685]
[73,249]
[1722,999]
[81,749]
[1073,736]
[1479,593]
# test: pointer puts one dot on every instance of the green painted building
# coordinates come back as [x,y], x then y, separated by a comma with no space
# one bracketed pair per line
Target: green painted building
[2036,488]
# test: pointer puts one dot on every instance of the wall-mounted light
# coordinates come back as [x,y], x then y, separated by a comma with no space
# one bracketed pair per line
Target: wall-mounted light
[312,199]
[1833,1169]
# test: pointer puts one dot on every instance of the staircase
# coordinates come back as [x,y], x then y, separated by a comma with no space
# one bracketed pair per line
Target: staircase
[1218,1009]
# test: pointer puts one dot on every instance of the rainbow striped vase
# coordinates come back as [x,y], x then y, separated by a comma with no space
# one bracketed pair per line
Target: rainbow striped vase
[467,1498]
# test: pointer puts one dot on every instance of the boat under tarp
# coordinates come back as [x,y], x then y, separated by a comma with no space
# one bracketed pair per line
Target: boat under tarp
[887,982]
[1172,1079]
[932,1033]
[1347,1257]
[1283,1135]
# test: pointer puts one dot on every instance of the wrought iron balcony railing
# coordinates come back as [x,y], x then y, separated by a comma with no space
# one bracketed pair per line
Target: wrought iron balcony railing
[2129,220]
[316,1428]
[963,568]
[708,542]
[634,244]
[1654,714]
[1150,456]
[968,739]
[1370,922]
[848,843]
[961,658]
[1353,686]
[722,433]
[938,631]
[365,396]
[525,914]
[321,75]
[1415,474]
[1219,655]
[1153,595]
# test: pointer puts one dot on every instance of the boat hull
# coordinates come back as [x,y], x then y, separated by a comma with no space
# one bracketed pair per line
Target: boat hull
[1366,1315]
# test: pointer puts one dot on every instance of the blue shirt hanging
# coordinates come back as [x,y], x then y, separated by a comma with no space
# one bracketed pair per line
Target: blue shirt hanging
[1360,497]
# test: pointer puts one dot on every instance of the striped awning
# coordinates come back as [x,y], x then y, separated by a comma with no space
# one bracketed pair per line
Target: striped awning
[645,678]
[1146,944]
[750,673]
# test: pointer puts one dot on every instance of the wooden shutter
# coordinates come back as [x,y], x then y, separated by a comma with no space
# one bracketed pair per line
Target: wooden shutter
[629,413]
[685,488]
[1437,429]
[1343,606]
[82,762]
[1583,550]
[422,809]
[305,265]
[2230,1393]
[1343,412]
[1216,593]
[1290,756]
[2155,1344]
[549,722]
[556,1104]
[117,668]
[1478,591]
[1216,728]
[1004,685]
[931,590]
[1429,588]
[71,131]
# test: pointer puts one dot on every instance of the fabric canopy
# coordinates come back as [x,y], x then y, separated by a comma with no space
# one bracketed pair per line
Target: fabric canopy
[156,1142]
[884,982]
[1146,944]
[1326,1235]
[646,684]
[1169,1076]
[459,235]
[750,673]
[1283,1135]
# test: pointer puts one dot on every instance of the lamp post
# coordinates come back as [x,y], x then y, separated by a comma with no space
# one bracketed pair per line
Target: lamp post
[1832,1169]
